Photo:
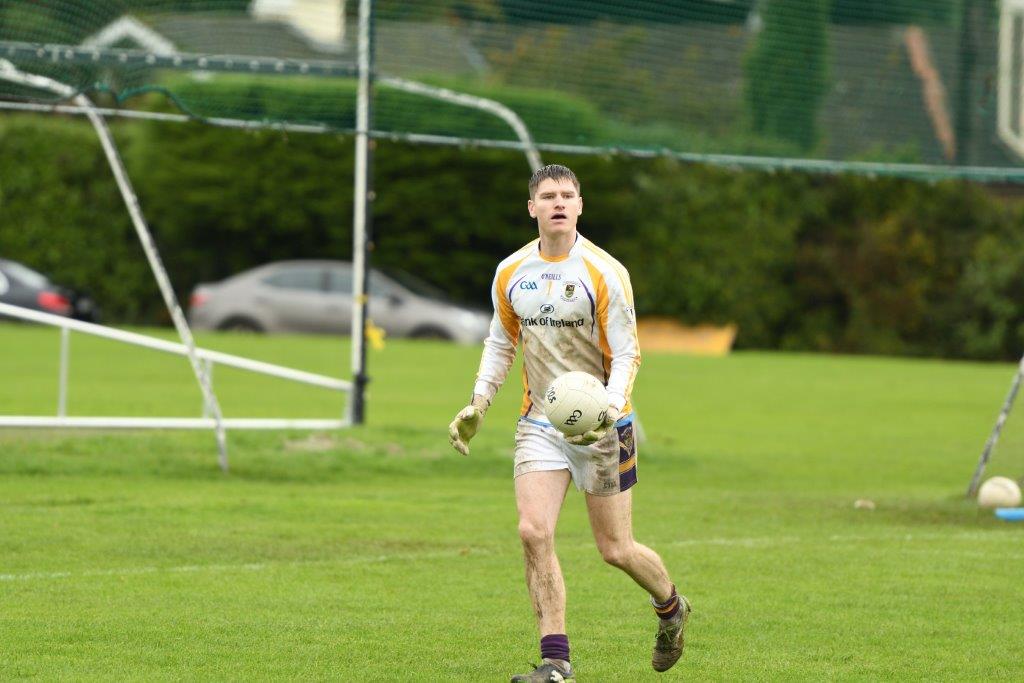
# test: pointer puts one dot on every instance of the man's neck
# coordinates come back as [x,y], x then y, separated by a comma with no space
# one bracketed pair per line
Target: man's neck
[558,245]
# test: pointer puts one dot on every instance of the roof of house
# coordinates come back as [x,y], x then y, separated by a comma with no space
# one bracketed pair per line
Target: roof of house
[402,48]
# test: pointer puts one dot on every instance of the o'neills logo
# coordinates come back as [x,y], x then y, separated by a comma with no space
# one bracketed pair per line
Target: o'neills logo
[550,322]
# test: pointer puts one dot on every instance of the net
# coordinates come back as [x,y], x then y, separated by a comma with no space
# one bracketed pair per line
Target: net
[924,88]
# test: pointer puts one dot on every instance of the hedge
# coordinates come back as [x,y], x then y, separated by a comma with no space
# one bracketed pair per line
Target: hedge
[552,117]
[840,263]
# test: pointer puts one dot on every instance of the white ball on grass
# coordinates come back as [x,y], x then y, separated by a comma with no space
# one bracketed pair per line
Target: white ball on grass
[999,492]
[575,403]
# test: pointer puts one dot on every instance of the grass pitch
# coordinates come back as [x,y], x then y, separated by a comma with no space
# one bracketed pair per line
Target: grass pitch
[379,554]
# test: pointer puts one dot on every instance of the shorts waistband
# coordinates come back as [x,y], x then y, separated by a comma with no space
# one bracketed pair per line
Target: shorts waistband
[621,422]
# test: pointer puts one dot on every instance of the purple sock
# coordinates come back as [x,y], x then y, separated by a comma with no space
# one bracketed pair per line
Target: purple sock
[669,608]
[555,646]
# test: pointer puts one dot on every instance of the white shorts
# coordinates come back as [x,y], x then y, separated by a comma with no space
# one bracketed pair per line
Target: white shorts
[603,468]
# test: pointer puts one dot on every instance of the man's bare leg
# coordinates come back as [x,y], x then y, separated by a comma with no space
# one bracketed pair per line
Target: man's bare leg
[539,497]
[611,520]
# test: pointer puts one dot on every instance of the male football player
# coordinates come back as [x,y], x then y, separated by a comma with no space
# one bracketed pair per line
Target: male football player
[570,305]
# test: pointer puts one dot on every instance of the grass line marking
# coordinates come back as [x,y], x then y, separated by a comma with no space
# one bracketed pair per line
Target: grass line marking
[751,542]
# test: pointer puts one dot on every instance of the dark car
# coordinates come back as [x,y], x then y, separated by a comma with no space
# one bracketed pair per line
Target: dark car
[316,296]
[22,286]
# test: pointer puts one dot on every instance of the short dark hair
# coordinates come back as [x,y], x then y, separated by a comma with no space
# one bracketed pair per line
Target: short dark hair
[555,172]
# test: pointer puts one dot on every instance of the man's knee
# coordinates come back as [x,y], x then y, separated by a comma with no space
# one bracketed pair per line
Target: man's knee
[617,553]
[535,534]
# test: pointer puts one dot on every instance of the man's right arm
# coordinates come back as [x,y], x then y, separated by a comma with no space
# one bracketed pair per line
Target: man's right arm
[499,353]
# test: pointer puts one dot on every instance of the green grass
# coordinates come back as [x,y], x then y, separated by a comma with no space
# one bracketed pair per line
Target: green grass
[379,554]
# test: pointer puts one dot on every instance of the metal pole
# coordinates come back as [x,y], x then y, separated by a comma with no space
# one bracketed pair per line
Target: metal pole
[157,266]
[175,348]
[482,103]
[993,437]
[362,211]
[62,387]
[208,365]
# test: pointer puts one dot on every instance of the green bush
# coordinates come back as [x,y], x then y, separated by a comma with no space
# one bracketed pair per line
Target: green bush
[880,261]
[990,321]
[841,263]
[63,215]
[550,116]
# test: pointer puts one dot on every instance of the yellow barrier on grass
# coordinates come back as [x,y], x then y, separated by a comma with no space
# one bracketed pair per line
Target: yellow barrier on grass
[667,334]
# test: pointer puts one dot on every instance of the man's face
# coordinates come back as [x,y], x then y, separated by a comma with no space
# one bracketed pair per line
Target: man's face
[556,205]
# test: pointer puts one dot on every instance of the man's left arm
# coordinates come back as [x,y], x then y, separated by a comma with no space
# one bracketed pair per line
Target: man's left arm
[622,341]
[620,331]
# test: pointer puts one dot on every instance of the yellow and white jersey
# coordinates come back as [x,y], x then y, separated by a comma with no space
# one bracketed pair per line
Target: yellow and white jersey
[573,312]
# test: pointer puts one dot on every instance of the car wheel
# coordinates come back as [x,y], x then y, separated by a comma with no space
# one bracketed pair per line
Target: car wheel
[430,333]
[240,324]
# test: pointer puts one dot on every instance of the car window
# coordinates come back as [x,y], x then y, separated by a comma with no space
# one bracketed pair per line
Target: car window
[418,285]
[380,285]
[339,280]
[26,276]
[297,278]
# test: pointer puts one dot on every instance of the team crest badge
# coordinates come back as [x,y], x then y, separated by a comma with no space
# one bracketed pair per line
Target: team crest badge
[569,293]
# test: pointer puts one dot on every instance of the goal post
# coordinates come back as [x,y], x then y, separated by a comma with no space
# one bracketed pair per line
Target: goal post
[997,430]
[1010,128]
[10,73]
[96,49]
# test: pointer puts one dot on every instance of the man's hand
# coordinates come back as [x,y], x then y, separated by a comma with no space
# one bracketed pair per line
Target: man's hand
[466,424]
[595,435]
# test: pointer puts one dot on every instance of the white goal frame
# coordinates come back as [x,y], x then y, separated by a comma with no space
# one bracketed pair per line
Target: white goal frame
[209,359]
[213,417]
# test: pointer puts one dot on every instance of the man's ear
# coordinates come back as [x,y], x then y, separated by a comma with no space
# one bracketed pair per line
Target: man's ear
[580,212]
[531,208]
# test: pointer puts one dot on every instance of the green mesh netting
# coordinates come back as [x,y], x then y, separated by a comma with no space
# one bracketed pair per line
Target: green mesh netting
[805,83]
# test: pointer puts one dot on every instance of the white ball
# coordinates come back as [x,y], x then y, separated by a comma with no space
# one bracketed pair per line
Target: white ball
[576,402]
[999,492]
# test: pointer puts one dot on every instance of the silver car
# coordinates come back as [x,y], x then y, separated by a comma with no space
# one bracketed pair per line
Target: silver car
[316,296]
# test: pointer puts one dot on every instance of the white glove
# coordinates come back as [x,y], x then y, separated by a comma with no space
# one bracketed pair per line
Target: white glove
[598,433]
[466,424]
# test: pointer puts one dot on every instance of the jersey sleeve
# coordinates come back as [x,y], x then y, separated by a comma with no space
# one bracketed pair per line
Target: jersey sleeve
[623,343]
[500,345]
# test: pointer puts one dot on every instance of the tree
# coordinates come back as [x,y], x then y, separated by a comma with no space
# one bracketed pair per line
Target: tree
[787,71]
